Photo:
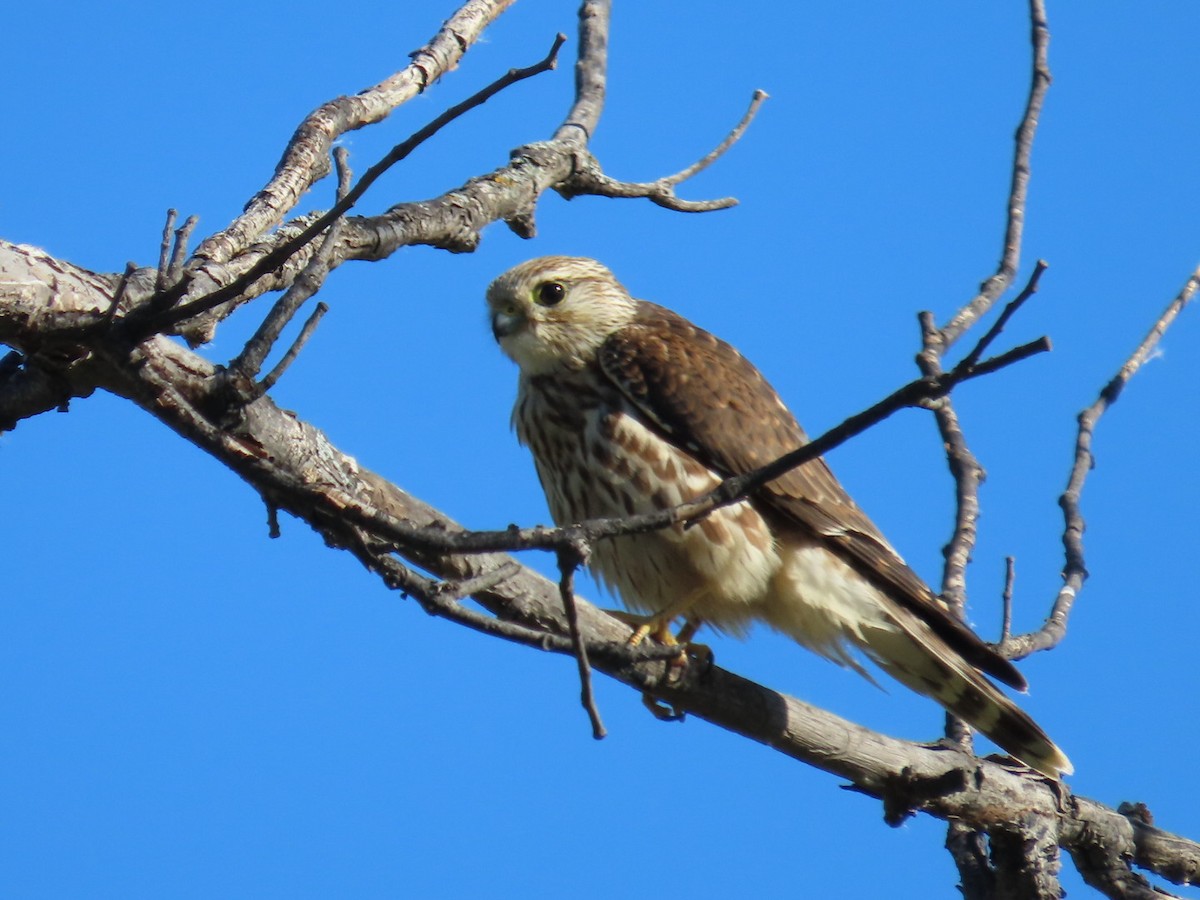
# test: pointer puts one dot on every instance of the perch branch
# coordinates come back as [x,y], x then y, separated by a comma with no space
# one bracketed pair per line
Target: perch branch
[294,468]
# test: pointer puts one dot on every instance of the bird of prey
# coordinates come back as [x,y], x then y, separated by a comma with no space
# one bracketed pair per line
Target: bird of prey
[629,408]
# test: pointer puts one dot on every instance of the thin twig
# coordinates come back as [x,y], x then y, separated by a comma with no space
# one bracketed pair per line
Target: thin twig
[731,490]
[179,252]
[968,474]
[247,364]
[273,530]
[441,599]
[293,351]
[1007,313]
[119,293]
[1075,572]
[756,100]
[485,581]
[1006,598]
[445,605]
[914,393]
[1010,258]
[571,558]
[590,179]
[164,251]
[281,253]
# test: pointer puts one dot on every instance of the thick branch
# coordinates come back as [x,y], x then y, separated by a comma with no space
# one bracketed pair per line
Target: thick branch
[295,468]
[591,75]
[287,249]
[306,159]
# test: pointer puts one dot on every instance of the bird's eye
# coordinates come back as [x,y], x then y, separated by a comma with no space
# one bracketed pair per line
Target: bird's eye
[550,293]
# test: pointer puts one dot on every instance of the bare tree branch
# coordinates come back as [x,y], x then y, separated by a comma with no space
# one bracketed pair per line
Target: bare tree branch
[295,468]
[591,75]
[1008,872]
[287,249]
[589,179]
[569,560]
[306,159]
[1010,258]
[1074,570]
[1007,823]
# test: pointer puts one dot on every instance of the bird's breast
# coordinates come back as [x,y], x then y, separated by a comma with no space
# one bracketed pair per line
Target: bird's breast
[597,459]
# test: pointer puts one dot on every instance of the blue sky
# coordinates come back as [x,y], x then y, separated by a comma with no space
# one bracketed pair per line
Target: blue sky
[193,710]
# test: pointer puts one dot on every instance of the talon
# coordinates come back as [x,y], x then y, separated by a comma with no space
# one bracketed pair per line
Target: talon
[677,666]
[701,655]
[661,710]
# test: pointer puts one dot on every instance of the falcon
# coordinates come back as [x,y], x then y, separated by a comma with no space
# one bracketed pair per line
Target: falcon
[628,408]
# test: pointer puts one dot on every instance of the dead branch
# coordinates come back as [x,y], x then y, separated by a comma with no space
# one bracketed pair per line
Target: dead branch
[294,468]
[589,179]
[306,158]
[1074,572]
[1010,257]
[287,249]
[61,319]
[966,470]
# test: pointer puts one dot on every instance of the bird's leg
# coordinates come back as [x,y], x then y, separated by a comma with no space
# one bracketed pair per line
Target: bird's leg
[658,627]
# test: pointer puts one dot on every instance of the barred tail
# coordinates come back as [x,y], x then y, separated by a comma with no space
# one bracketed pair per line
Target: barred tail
[912,654]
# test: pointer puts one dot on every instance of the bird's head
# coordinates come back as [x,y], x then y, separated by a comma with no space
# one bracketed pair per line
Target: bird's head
[553,313]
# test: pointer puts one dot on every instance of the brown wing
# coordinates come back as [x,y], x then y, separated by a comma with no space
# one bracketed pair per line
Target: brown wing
[708,399]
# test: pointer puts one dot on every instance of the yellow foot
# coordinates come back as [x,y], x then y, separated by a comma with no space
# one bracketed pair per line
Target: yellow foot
[657,627]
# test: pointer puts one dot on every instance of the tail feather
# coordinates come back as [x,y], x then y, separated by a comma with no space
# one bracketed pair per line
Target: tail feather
[918,658]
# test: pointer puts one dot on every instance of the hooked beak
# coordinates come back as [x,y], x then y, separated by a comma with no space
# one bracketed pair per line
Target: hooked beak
[506,323]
